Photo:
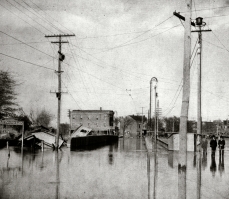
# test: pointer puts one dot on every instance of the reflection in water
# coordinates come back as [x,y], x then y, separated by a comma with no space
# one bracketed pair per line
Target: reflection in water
[198,172]
[182,174]
[110,155]
[204,159]
[42,161]
[194,160]
[22,160]
[7,164]
[57,174]
[155,172]
[221,162]
[148,173]
[107,173]
[213,164]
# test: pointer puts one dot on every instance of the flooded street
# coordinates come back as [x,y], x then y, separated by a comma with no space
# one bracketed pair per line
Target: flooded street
[123,170]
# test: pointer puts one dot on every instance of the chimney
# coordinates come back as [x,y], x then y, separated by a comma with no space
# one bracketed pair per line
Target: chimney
[100,108]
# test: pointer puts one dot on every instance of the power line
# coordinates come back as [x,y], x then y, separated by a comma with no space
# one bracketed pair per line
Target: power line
[28,16]
[39,16]
[144,32]
[120,46]
[26,44]
[220,42]
[49,16]
[22,19]
[216,16]
[33,42]
[208,9]
[26,61]
[213,44]
[180,84]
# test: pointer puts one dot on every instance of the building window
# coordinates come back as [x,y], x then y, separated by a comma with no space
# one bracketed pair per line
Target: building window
[139,125]
[97,117]
[81,117]
[88,117]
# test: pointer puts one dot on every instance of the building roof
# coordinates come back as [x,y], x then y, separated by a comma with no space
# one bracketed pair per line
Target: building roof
[92,111]
[138,118]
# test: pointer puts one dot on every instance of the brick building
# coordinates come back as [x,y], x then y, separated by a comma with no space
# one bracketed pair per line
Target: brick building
[97,120]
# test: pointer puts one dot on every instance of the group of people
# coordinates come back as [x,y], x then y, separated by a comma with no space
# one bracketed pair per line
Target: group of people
[214,144]
[221,144]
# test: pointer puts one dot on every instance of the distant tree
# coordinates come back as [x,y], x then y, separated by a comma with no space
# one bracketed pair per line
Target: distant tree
[116,121]
[42,117]
[64,128]
[172,123]
[7,94]
[26,121]
[125,122]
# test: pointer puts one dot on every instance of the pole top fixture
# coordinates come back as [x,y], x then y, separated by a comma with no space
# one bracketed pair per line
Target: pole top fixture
[153,79]
[199,21]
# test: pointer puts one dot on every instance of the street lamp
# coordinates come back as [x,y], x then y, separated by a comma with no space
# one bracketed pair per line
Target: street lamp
[152,79]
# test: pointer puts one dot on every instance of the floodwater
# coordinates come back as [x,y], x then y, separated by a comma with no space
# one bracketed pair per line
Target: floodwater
[123,170]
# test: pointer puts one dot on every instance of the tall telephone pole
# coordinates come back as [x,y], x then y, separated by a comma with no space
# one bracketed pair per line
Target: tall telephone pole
[152,79]
[142,122]
[58,94]
[185,101]
[199,24]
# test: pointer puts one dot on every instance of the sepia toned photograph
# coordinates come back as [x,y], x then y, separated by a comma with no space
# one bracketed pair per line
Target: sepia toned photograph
[114,99]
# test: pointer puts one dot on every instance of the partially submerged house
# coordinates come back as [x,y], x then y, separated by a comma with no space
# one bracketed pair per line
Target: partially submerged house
[39,134]
[81,131]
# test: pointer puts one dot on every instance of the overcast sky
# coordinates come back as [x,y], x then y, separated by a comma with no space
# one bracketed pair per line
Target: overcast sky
[119,45]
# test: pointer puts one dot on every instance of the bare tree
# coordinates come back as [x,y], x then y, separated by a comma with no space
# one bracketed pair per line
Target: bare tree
[42,117]
[125,122]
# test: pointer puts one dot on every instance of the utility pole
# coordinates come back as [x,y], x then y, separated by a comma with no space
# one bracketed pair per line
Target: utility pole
[182,164]
[58,94]
[158,115]
[155,119]
[150,115]
[199,24]
[142,122]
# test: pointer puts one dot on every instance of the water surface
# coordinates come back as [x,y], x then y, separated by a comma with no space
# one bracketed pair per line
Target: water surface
[123,170]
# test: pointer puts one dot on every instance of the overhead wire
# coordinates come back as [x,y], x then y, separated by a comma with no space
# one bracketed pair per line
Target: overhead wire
[28,16]
[213,8]
[144,32]
[78,70]
[180,87]
[26,61]
[22,19]
[128,44]
[50,16]
[39,16]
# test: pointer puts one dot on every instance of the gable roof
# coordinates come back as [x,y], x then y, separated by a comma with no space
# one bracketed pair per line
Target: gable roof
[138,118]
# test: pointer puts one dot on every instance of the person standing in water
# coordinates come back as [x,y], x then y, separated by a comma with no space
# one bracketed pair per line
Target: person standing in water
[213,144]
[221,144]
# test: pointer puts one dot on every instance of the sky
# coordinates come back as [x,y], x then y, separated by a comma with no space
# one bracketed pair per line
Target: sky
[119,45]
